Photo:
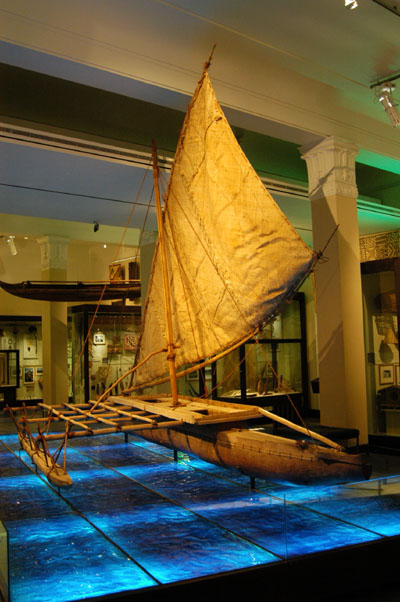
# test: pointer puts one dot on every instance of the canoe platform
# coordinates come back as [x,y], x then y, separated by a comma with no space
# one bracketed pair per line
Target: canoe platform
[139,413]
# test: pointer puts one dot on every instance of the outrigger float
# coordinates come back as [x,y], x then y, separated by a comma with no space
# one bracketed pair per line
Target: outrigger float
[226,263]
[37,449]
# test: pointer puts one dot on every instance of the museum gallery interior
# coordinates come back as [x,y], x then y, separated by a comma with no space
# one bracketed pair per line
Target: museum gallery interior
[199,298]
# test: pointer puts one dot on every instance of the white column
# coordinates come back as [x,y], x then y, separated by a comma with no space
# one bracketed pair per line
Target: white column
[54,327]
[333,193]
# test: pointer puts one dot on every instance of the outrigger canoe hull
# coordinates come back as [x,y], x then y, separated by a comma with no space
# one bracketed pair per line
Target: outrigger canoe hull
[259,454]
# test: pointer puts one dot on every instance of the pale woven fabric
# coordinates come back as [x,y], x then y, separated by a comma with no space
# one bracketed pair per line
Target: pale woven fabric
[233,257]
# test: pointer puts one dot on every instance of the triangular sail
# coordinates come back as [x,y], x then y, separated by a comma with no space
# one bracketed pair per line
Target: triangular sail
[233,257]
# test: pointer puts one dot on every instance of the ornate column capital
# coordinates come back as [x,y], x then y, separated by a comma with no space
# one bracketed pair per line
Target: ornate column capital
[331,168]
[53,250]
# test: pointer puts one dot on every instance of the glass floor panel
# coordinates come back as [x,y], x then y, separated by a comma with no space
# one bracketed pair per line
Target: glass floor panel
[134,518]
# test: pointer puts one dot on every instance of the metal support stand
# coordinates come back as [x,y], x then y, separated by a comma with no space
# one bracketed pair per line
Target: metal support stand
[175,455]
[252,483]
[126,438]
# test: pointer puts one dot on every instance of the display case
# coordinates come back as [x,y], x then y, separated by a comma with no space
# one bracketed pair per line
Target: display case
[9,374]
[381,295]
[265,371]
[97,360]
[20,358]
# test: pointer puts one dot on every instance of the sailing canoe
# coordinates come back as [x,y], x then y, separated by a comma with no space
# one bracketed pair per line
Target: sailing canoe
[226,262]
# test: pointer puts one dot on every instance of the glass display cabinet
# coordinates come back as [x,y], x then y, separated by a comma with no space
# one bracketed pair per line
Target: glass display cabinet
[263,372]
[9,374]
[21,371]
[109,351]
[381,297]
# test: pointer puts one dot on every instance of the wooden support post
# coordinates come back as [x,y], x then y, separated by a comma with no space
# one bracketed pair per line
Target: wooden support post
[167,300]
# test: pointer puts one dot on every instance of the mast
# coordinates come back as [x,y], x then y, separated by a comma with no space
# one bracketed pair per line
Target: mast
[167,298]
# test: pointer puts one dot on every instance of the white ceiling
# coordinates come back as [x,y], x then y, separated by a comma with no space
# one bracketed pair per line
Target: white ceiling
[294,70]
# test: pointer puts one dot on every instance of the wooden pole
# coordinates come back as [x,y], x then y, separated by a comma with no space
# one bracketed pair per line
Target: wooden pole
[167,299]
[300,429]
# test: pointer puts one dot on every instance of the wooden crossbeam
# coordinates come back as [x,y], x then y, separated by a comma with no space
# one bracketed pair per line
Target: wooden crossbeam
[107,431]
[86,413]
[133,415]
[63,417]
[173,412]
[190,411]
[117,419]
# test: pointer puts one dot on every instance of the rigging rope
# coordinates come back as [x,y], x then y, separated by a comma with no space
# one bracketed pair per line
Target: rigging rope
[77,363]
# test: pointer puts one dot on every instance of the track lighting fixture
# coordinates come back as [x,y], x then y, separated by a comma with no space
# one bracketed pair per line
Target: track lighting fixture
[351,4]
[384,95]
[11,243]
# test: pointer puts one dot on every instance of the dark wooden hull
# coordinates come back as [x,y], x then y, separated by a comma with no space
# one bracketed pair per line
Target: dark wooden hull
[73,291]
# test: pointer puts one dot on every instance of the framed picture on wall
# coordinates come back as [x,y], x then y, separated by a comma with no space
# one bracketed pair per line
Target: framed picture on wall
[99,338]
[386,374]
[39,370]
[28,375]
[130,341]
[397,374]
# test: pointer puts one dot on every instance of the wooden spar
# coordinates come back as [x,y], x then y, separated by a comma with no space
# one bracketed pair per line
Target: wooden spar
[300,429]
[167,300]
[67,427]
[191,410]
[124,429]
[63,416]
[98,417]
[134,415]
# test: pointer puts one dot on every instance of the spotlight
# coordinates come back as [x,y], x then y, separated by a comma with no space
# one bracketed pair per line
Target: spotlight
[96,226]
[11,244]
[384,93]
[351,4]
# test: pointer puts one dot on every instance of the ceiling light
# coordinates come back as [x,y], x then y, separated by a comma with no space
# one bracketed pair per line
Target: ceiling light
[351,4]
[11,244]
[384,93]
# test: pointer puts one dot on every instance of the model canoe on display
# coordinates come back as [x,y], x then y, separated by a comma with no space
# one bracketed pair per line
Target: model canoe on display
[73,291]
[227,261]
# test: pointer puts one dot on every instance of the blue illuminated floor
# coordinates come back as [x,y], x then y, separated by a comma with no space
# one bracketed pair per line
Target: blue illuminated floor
[135,519]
